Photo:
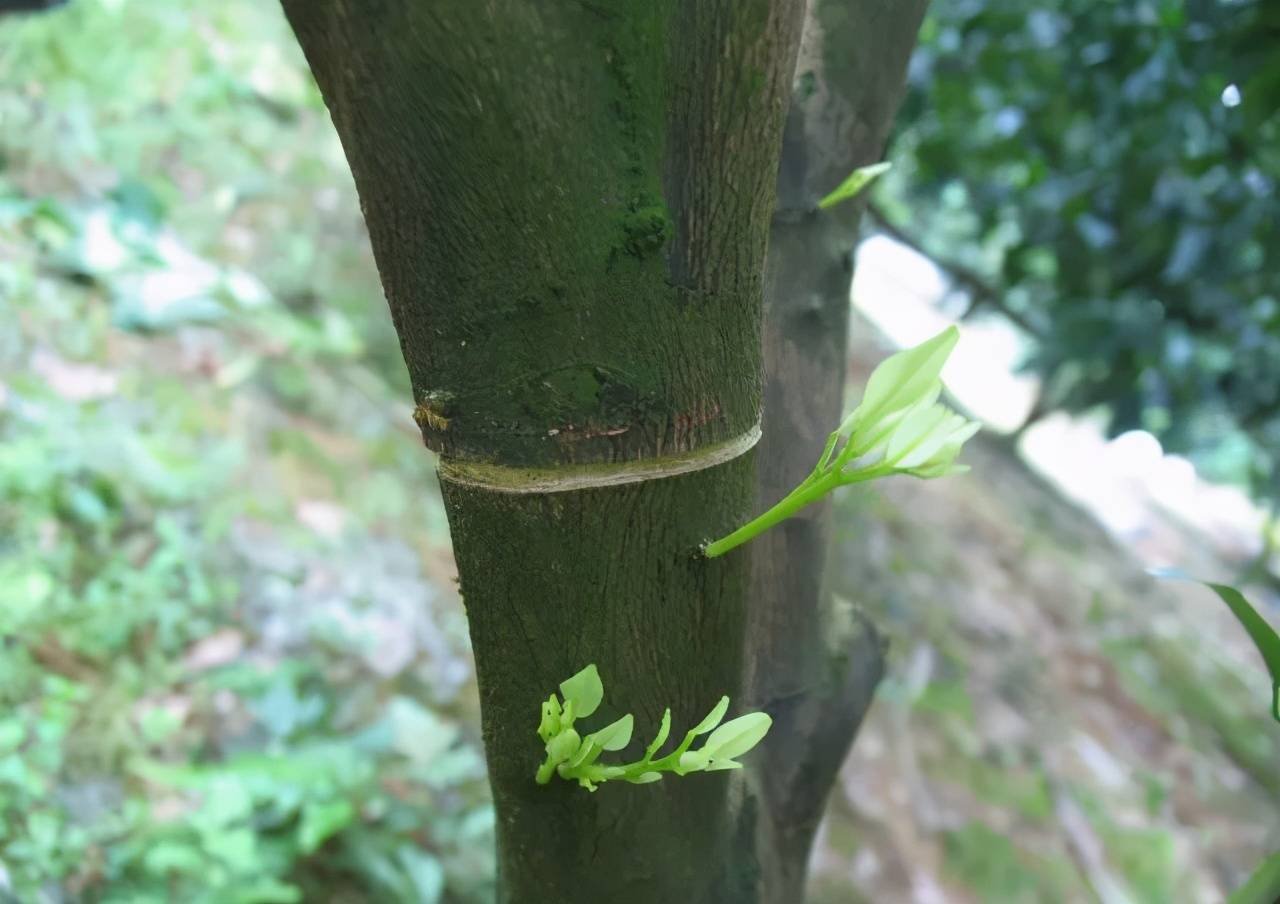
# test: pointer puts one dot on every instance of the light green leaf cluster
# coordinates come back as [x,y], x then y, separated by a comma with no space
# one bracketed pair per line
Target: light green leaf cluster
[574,757]
[900,427]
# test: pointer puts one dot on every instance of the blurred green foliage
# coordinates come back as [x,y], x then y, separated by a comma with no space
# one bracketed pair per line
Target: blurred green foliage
[999,870]
[1106,173]
[223,675]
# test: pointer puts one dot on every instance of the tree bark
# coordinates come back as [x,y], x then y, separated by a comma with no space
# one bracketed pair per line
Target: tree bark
[813,667]
[568,203]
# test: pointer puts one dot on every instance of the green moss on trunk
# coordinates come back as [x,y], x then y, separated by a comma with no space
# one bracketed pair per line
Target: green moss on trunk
[539,180]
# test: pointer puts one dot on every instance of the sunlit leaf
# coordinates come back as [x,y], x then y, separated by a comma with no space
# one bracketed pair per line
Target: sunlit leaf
[550,723]
[944,440]
[721,765]
[916,430]
[903,379]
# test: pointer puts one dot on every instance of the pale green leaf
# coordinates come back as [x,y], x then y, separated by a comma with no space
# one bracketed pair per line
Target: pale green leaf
[712,719]
[719,765]
[873,439]
[953,433]
[563,746]
[692,761]
[942,464]
[663,731]
[904,379]
[584,691]
[587,753]
[852,186]
[645,778]
[736,737]
[615,735]
[915,430]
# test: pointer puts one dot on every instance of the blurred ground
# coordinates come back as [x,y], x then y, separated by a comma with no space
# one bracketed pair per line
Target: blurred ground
[1057,725]
[233,663]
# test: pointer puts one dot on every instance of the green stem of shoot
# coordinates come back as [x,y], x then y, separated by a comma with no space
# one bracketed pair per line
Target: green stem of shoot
[817,485]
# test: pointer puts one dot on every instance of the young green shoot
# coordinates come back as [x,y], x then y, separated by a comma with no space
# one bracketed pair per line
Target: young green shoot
[576,758]
[900,427]
[853,186]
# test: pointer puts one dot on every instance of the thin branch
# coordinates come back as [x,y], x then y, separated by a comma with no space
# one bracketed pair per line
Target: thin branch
[981,292]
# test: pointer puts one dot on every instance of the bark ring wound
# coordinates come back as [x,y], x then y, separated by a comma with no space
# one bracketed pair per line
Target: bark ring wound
[505,479]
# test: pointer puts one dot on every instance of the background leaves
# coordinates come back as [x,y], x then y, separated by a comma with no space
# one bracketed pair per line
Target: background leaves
[1106,174]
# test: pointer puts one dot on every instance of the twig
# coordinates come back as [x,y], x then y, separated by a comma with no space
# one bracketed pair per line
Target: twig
[981,293]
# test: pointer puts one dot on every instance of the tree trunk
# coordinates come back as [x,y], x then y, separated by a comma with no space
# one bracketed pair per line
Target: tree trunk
[568,203]
[812,667]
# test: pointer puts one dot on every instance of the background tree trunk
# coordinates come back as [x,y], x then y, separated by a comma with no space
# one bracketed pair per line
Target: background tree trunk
[568,203]
[812,667]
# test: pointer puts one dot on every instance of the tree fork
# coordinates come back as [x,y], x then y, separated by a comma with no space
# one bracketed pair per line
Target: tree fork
[568,203]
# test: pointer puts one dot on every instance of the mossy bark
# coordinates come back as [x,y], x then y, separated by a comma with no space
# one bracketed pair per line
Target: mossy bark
[812,665]
[569,203]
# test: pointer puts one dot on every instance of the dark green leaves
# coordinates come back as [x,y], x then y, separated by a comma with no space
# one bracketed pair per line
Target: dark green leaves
[1111,182]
